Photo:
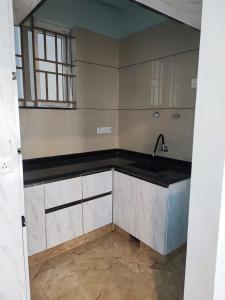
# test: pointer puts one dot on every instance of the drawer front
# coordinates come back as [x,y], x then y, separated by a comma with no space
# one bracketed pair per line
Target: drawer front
[63,192]
[35,219]
[96,184]
[63,225]
[97,213]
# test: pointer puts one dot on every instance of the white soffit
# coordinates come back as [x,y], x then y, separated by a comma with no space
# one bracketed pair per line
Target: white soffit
[186,11]
[22,8]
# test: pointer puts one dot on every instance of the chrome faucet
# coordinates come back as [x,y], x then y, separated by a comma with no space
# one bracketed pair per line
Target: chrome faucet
[163,147]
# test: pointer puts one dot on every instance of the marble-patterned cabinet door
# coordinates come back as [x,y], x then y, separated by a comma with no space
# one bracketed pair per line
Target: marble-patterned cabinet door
[96,184]
[151,214]
[62,192]
[35,219]
[177,215]
[124,202]
[97,213]
[63,225]
[155,215]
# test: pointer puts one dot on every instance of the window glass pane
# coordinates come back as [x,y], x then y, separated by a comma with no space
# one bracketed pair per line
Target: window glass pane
[60,68]
[31,68]
[67,70]
[41,86]
[19,75]
[70,87]
[60,49]
[52,87]
[50,45]
[40,52]
[45,66]
[17,40]
[60,85]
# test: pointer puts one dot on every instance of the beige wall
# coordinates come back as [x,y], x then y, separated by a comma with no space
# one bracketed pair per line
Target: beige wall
[158,83]
[138,131]
[157,68]
[162,40]
[54,132]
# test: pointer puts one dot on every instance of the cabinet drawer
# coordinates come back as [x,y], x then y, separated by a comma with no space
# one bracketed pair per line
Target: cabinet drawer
[63,225]
[96,184]
[63,192]
[35,219]
[97,213]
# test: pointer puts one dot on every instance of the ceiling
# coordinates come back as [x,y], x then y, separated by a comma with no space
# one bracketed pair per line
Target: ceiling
[21,8]
[113,18]
[119,17]
[186,11]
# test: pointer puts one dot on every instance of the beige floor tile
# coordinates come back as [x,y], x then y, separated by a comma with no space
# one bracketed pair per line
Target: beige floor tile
[109,268]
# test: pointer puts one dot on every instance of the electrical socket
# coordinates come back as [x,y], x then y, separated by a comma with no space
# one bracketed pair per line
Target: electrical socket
[5,165]
[104,130]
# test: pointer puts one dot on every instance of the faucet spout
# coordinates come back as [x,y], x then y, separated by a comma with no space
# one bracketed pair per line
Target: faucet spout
[163,147]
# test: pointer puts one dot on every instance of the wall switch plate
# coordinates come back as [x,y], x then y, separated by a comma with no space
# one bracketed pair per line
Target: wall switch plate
[104,130]
[5,165]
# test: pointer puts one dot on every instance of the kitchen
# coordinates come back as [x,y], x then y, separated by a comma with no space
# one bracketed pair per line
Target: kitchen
[107,98]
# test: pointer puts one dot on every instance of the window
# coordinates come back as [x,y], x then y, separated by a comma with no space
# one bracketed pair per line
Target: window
[19,63]
[48,69]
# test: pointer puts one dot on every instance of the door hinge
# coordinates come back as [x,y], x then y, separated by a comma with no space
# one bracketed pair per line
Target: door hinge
[13,75]
[23,221]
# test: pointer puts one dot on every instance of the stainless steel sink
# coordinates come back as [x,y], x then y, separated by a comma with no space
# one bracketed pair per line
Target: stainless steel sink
[150,166]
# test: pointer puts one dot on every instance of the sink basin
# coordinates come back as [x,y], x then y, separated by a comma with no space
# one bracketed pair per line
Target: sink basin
[150,166]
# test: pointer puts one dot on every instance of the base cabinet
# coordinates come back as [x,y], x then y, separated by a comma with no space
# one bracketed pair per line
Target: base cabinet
[124,202]
[62,192]
[96,184]
[155,215]
[63,225]
[35,219]
[151,214]
[63,210]
[97,213]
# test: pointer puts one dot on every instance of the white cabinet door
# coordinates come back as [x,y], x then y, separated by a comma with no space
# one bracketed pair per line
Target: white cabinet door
[177,216]
[124,202]
[97,213]
[96,184]
[35,219]
[151,214]
[62,192]
[63,225]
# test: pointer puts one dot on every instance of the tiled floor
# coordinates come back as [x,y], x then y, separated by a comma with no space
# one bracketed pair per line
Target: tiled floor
[109,268]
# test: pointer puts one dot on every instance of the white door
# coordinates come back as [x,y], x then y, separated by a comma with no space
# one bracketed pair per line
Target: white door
[12,260]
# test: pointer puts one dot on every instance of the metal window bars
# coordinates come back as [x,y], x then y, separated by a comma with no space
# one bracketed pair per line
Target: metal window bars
[52,70]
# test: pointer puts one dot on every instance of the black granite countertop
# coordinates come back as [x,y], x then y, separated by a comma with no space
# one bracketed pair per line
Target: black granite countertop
[158,170]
